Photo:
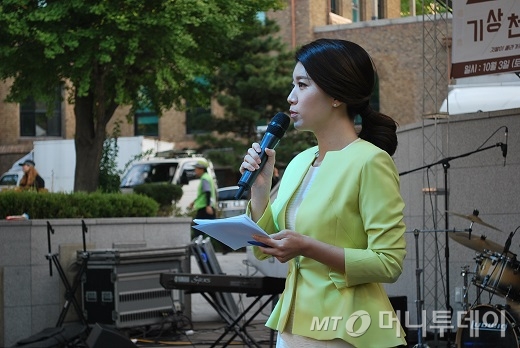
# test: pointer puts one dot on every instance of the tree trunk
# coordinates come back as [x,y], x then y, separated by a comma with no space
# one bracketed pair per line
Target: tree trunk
[88,140]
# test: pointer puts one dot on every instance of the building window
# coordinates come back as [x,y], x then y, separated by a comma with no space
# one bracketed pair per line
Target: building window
[146,122]
[35,121]
[355,11]
[334,6]
[198,114]
[262,17]
[381,9]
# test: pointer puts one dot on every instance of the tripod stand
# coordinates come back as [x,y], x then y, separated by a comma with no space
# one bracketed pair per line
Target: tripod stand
[445,162]
[70,290]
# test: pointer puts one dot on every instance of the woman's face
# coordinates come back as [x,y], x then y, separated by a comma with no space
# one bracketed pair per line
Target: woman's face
[310,106]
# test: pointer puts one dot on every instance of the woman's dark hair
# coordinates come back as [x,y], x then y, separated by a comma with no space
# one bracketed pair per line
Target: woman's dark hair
[345,71]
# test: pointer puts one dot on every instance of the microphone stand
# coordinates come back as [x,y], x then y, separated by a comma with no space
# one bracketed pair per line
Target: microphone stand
[445,162]
[419,301]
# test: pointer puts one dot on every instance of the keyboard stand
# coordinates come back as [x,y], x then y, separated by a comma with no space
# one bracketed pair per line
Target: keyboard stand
[223,302]
[233,324]
[208,285]
[70,290]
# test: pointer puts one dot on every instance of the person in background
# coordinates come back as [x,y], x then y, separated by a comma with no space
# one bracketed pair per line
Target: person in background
[205,204]
[31,180]
[338,216]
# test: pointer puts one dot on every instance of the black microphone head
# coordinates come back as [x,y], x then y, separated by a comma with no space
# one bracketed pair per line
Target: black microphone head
[279,125]
[504,149]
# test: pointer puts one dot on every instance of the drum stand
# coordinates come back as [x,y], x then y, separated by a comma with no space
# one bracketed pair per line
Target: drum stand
[445,162]
[465,288]
[419,301]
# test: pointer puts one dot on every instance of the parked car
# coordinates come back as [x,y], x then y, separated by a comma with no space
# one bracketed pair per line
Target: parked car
[10,179]
[227,204]
[178,171]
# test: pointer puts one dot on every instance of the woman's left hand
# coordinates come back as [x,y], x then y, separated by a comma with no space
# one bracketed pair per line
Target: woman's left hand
[283,245]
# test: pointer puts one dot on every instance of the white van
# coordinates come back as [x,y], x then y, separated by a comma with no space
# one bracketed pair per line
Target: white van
[9,180]
[178,171]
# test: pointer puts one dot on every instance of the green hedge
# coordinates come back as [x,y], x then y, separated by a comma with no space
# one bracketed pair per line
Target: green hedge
[164,194]
[76,205]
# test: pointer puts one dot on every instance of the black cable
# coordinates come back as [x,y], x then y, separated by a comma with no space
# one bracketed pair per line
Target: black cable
[495,132]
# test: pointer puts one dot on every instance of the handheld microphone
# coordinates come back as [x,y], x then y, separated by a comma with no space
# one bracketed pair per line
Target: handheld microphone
[504,147]
[275,131]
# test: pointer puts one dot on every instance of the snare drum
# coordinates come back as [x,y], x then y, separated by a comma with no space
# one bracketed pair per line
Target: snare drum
[487,326]
[498,274]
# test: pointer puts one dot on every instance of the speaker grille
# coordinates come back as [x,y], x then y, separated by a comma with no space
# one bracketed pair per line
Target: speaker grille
[145,316]
[144,295]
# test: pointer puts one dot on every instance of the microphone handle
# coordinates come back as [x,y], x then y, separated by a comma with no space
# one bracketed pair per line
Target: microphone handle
[504,153]
[248,178]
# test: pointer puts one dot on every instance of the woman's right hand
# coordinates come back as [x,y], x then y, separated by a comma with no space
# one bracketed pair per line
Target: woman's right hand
[261,188]
[252,162]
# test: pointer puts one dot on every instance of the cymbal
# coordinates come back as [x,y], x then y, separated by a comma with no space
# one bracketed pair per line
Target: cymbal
[477,243]
[474,218]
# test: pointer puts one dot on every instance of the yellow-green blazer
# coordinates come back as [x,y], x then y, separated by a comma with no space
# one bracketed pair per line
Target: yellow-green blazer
[354,203]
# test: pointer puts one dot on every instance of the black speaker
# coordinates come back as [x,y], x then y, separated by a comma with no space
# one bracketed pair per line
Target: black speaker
[54,337]
[102,337]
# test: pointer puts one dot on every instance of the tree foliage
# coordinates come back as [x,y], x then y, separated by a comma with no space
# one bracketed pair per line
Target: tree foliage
[114,53]
[109,176]
[425,7]
[252,85]
[253,82]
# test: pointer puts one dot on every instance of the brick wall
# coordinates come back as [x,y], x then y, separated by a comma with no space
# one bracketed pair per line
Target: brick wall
[396,48]
[394,44]
[172,127]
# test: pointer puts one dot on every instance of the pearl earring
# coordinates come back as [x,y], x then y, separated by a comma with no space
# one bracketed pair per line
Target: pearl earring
[335,105]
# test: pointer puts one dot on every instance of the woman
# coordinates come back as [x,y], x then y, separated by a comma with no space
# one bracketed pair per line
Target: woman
[337,218]
[31,180]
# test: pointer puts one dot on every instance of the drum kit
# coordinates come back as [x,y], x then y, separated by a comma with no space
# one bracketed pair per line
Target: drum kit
[497,271]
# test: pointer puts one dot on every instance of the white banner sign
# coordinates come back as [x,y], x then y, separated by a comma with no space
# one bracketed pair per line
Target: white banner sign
[486,37]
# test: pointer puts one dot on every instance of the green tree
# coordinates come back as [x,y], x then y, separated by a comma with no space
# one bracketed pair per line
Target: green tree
[425,7]
[252,85]
[109,178]
[109,52]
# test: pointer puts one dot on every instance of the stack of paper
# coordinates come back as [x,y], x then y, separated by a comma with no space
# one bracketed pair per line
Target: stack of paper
[236,231]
